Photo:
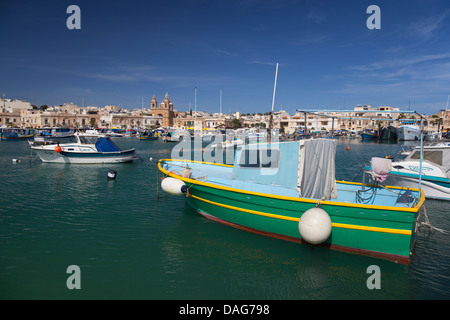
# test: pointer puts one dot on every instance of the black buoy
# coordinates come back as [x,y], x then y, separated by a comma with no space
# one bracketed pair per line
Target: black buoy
[112,174]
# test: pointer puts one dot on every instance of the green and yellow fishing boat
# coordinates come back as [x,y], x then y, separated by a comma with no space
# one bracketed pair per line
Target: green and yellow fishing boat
[149,135]
[12,134]
[288,191]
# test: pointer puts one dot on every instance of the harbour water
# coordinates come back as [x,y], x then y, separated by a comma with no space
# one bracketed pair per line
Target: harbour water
[130,245]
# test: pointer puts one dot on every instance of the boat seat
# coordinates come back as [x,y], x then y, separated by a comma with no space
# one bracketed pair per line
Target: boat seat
[405,197]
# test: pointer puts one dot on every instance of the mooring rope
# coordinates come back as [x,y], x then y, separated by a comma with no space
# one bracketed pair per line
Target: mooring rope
[427,223]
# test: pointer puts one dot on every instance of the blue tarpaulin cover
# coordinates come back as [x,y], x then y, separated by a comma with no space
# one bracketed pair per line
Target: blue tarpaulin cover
[106,145]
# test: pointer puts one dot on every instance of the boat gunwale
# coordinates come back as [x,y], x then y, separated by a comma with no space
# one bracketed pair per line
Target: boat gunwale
[414,209]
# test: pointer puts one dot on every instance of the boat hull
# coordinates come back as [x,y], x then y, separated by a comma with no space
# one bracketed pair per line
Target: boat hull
[406,133]
[434,188]
[20,137]
[367,136]
[141,137]
[47,155]
[383,232]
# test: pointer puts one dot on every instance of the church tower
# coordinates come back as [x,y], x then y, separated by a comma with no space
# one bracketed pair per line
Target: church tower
[164,110]
[153,104]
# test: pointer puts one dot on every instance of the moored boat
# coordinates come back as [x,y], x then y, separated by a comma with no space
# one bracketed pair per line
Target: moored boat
[48,135]
[435,177]
[288,191]
[88,148]
[149,135]
[16,134]
[175,135]
[408,131]
[388,133]
[369,135]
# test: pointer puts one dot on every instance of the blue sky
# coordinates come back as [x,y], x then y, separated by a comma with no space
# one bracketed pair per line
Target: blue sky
[127,51]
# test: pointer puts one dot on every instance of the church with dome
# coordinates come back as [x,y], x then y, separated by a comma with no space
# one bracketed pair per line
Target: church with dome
[164,110]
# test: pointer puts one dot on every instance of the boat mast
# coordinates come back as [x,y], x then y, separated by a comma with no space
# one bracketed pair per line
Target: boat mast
[269,137]
[195,107]
[445,115]
[275,86]
[421,152]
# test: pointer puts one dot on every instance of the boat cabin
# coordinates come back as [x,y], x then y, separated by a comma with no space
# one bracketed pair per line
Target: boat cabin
[306,168]
[102,143]
[439,155]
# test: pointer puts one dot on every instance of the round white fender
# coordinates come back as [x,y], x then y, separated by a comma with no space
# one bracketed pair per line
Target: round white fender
[315,225]
[173,186]
[112,174]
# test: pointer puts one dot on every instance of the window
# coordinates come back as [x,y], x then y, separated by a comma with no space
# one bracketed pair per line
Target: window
[88,140]
[434,156]
[260,158]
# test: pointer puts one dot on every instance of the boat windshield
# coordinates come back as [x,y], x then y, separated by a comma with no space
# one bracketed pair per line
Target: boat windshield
[434,156]
[260,158]
[87,139]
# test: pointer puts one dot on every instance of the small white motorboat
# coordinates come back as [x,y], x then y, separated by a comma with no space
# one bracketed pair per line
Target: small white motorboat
[88,148]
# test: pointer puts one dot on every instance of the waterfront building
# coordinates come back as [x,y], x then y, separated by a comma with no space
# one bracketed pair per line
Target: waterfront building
[189,122]
[164,110]
[219,122]
[313,123]
[445,116]
[11,119]
[68,115]
[10,111]
[19,113]
[14,104]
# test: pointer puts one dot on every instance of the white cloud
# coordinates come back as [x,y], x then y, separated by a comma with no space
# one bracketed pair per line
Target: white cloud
[400,63]
[426,28]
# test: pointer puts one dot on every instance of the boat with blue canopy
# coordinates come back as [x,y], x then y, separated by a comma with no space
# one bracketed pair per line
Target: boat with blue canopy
[88,148]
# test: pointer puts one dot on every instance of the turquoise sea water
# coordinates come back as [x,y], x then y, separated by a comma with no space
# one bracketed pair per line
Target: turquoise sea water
[130,245]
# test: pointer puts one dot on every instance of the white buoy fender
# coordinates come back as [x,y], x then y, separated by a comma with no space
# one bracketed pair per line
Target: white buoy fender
[173,186]
[315,225]
[112,174]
